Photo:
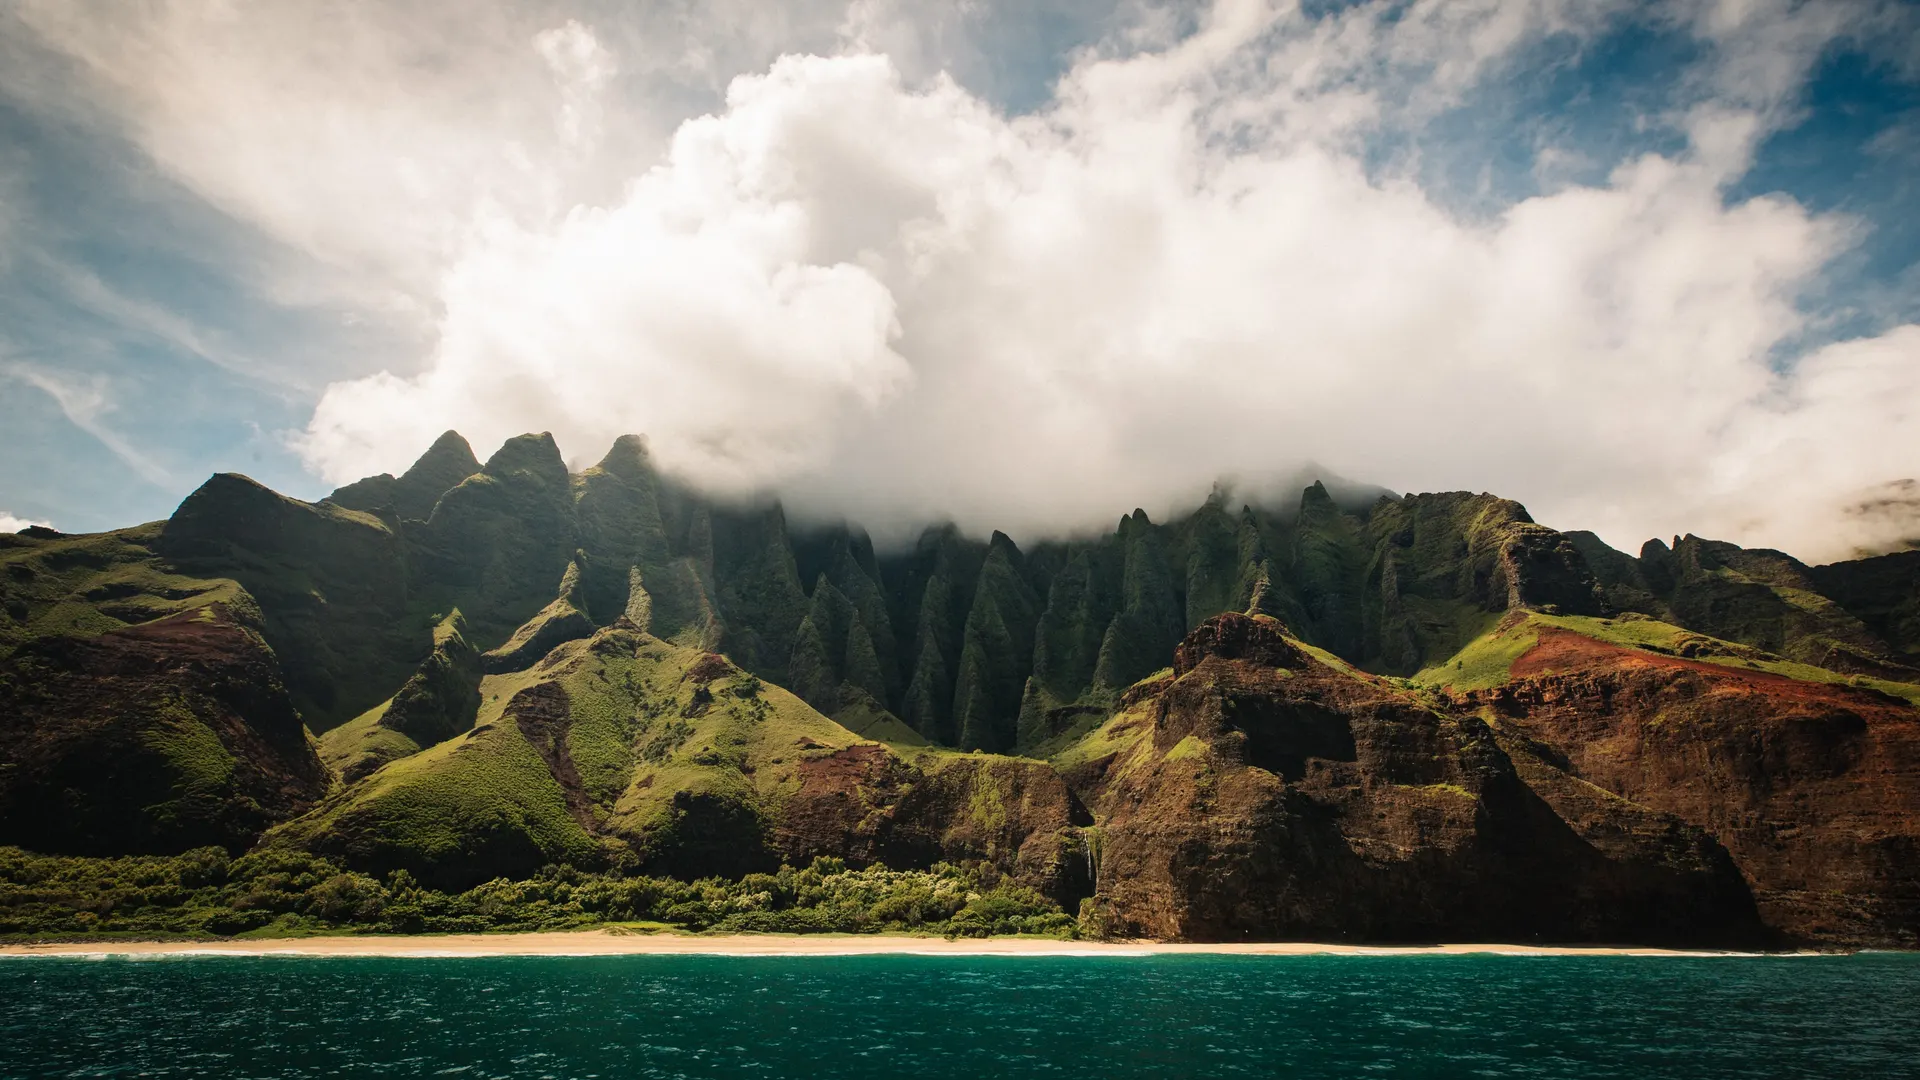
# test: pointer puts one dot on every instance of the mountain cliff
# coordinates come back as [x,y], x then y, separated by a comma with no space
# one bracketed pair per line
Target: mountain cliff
[1377,718]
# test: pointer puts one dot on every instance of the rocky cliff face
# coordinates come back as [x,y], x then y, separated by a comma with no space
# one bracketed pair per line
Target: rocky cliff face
[1364,733]
[1261,793]
[1884,594]
[173,734]
[1814,788]
[1769,600]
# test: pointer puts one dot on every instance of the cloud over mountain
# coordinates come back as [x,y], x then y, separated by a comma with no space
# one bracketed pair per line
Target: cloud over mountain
[881,294]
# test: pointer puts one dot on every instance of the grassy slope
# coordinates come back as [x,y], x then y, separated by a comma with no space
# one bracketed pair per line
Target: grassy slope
[88,585]
[364,736]
[1487,661]
[424,806]
[370,740]
[741,747]
[630,739]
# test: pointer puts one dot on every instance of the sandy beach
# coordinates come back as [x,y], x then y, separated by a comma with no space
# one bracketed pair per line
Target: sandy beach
[616,943]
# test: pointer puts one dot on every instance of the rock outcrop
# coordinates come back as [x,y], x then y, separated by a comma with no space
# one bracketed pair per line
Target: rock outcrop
[1814,788]
[1263,794]
[157,738]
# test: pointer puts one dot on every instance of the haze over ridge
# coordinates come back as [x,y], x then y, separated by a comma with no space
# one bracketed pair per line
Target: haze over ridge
[858,272]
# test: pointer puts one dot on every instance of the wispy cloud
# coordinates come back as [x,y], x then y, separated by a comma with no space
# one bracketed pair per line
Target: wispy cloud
[84,401]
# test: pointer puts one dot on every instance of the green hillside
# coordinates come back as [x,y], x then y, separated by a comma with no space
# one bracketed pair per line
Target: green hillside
[475,670]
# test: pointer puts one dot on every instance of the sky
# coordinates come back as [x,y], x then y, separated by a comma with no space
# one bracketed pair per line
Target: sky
[1648,269]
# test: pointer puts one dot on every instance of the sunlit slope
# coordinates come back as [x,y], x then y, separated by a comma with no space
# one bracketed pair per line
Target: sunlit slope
[626,750]
[1488,661]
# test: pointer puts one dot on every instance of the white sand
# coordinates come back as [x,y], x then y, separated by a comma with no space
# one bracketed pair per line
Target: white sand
[617,943]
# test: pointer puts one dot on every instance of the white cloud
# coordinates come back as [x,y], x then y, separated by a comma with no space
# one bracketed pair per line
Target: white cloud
[883,297]
[11,524]
[85,401]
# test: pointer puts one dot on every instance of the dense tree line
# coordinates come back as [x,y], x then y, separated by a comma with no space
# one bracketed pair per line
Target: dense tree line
[204,893]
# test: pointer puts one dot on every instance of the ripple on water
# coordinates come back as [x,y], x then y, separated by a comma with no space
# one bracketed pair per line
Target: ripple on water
[885,1016]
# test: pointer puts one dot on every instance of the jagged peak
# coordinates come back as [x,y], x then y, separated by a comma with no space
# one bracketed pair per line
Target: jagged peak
[570,581]
[225,481]
[454,624]
[530,453]
[824,587]
[450,442]
[628,458]
[450,453]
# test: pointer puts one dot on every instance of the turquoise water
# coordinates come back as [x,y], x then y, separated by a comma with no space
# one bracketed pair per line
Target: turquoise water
[889,1016]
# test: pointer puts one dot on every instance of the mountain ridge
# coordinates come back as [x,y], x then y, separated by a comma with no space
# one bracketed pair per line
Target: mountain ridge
[610,670]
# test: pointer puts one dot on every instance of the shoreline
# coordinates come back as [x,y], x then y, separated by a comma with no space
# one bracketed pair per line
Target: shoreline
[606,943]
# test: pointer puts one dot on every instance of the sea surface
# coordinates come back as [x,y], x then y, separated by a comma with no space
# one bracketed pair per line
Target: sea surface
[923,1017]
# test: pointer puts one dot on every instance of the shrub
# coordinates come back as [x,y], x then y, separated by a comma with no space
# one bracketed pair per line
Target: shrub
[202,893]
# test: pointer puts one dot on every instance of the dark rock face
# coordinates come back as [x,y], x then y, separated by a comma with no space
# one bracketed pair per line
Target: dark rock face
[1254,801]
[1813,788]
[499,541]
[332,586]
[1883,593]
[865,804]
[1544,570]
[412,495]
[1853,617]
[1259,641]
[159,738]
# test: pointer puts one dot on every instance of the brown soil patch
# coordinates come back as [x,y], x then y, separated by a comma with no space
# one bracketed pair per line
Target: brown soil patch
[1563,651]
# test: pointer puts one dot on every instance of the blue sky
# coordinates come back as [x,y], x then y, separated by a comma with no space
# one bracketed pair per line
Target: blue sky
[296,242]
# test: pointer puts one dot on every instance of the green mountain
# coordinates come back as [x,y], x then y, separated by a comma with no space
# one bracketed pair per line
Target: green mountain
[1354,715]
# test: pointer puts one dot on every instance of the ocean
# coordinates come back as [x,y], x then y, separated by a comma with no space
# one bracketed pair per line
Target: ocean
[1582,1017]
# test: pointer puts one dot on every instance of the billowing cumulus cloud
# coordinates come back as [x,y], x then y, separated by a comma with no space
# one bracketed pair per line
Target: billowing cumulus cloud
[882,296]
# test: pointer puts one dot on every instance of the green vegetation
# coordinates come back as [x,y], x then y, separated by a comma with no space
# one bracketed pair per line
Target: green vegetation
[81,586]
[278,893]
[634,710]
[1488,661]
[996,653]
[595,757]
[436,704]
[563,620]
[1188,747]
[1124,736]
